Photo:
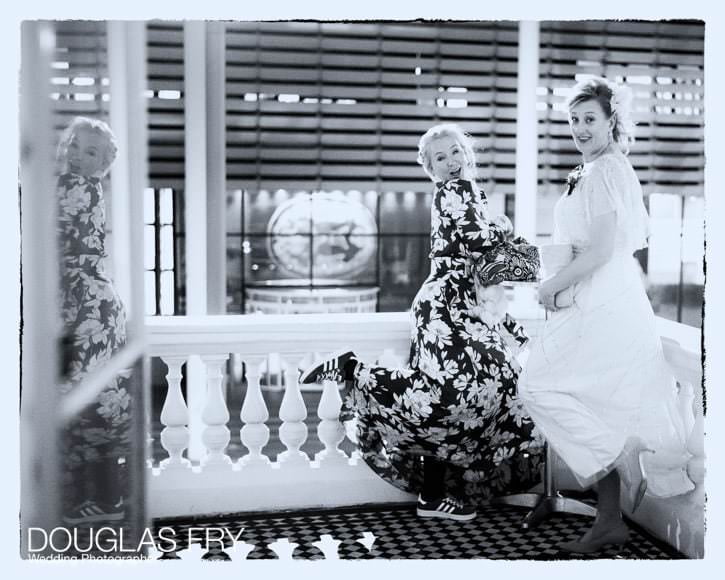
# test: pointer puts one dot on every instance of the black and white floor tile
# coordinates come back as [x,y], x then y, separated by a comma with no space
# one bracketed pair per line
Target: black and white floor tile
[398,534]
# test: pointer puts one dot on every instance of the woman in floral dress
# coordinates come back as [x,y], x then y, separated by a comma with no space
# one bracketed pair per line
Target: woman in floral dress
[96,441]
[456,405]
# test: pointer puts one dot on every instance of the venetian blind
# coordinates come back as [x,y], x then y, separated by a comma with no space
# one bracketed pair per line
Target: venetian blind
[342,106]
[166,132]
[166,142]
[663,63]
[79,75]
[80,86]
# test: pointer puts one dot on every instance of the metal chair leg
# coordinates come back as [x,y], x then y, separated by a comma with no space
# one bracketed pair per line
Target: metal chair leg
[528,500]
[548,502]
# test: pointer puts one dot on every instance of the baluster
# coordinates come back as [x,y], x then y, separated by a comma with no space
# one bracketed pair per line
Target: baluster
[696,441]
[292,412]
[686,405]
[330,431]
[254,434]
[283,548]
[174,417]
[215,414]
[328,546]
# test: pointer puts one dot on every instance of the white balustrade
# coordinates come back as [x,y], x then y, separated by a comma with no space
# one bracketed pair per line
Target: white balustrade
[256,481]
[681,345]
[330,431]
[680,520]
[174,417]
[293,431]
[329,547]
[293,481]
[283,548]
[254,414]
[215,414]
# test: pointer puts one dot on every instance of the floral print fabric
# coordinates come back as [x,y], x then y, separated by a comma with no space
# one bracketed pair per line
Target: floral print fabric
[457,401]
[96,441]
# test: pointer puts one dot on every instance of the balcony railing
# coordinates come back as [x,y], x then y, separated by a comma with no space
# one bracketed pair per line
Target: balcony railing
[256,482]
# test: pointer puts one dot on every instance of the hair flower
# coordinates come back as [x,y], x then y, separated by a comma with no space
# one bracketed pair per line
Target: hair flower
[621,105]
[621,101]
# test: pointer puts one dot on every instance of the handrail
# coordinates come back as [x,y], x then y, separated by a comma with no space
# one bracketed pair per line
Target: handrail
[682,347]
[175,334]
[253,334]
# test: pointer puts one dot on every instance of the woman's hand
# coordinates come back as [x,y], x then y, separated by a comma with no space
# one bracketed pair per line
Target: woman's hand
[547,295]
[504,223]
[483,314]
[477,312]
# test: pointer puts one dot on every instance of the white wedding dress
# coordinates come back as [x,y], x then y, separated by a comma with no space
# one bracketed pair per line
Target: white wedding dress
[597,375]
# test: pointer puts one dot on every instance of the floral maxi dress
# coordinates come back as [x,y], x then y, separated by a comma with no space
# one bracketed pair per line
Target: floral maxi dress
[96,441]
[457,402]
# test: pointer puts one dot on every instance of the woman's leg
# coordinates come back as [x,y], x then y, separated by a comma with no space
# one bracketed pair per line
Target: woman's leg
[433,501]
[609,511]
[337,366]
[608,528]
[434,474]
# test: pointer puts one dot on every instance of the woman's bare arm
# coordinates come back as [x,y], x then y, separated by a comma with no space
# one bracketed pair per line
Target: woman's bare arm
[597,254]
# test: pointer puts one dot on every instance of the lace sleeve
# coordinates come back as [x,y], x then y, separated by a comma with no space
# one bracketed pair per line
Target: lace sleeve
[613,186]
[603,191]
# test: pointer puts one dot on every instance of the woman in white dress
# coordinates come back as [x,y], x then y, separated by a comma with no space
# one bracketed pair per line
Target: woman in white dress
[596,383]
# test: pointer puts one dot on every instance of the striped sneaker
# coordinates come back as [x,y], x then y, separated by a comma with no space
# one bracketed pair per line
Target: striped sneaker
[90,511]
[331,367]
[447,508]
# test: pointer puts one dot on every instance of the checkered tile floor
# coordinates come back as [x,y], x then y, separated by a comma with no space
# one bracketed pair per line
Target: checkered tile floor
[398,534]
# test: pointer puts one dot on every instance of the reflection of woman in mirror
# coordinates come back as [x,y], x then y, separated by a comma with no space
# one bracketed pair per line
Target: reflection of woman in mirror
[96,441]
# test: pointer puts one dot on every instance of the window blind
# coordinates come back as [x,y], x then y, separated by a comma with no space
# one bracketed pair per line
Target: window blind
[79,75]
[166,142]
[165,70]
[338,106]
[663,63]
[80,86]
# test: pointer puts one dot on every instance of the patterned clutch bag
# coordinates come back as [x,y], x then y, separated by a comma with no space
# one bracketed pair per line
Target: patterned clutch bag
[509,261]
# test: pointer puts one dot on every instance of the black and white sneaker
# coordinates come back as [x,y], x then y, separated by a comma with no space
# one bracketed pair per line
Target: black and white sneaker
[447,508]
[331,368]
[90,511]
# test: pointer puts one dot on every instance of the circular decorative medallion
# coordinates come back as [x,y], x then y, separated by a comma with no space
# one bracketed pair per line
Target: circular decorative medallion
[343,236]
